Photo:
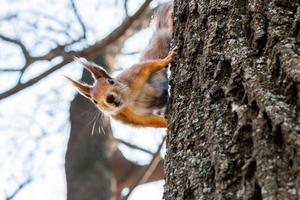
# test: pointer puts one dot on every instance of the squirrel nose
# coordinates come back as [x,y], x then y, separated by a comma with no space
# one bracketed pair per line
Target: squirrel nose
[110,99]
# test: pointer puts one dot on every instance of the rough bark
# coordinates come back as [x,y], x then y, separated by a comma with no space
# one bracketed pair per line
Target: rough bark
[234,110]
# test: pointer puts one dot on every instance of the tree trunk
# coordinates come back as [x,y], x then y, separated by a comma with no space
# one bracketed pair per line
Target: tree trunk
[234,110]
[87,165]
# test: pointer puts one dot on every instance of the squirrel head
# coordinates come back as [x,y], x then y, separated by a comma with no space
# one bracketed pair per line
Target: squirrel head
[106,92]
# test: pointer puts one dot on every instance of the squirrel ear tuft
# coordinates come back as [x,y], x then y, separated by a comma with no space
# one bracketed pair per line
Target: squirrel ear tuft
[83,88]
[96,71]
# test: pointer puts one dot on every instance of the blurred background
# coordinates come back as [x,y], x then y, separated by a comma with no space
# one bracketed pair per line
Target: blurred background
[55,144]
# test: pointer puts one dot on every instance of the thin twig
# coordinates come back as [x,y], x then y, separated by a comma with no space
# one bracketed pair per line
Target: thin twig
[126,7]
[19,43]
[10,70]
[148,170]
[134,146]
[130,53]
[20,187]
[79,19]
[21,86]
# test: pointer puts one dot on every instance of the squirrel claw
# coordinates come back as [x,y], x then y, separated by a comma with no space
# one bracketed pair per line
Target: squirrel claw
[175,48]
[174,51]
[171,54]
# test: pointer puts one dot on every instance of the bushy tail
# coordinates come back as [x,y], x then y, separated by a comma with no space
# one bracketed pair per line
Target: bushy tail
[159,45]
[164,17]
[158,48]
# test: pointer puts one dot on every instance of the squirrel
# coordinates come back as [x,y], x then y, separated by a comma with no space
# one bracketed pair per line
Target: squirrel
[138,92]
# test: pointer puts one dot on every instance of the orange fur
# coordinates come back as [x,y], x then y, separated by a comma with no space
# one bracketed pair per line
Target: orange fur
[125,89]
[133,96]
[128,116]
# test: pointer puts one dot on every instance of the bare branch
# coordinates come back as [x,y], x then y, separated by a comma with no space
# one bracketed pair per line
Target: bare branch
[134,146]
[10,70]
[130,53]
[118,32]
[88,52]
[37,14]
[148,171]
[126,7]
[27,56]
[21,86]
[20,187]
[79,19]
[20,44]
[59,50]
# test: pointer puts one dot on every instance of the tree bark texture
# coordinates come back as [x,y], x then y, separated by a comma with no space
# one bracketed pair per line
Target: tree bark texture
[234,109]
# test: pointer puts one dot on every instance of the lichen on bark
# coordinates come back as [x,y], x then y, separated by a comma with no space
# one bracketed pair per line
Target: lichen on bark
[234,109]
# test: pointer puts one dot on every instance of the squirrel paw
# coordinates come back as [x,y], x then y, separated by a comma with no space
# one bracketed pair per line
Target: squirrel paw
[171,54]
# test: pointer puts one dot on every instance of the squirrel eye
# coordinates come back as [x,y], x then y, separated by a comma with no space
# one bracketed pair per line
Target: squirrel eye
[110,81]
